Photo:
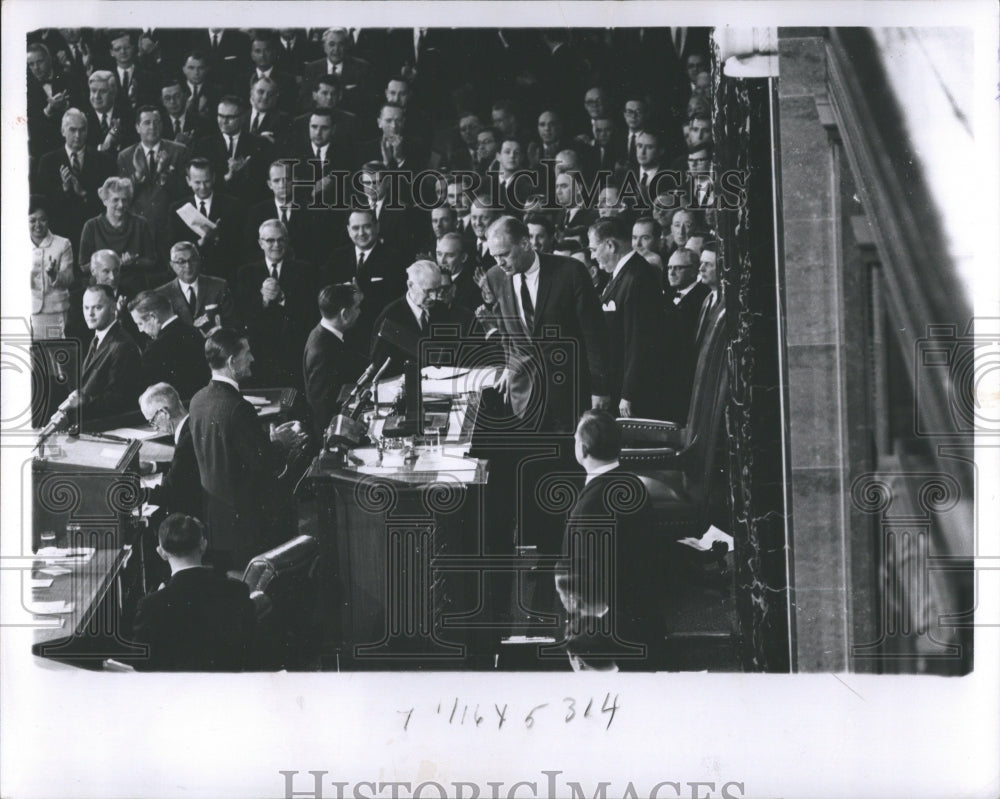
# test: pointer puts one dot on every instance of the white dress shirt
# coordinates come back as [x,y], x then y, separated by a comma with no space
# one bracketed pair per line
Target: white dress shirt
[531,278]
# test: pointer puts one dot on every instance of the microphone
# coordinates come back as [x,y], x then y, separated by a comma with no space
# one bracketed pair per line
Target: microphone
[382,369]
[58,419]
[365,377]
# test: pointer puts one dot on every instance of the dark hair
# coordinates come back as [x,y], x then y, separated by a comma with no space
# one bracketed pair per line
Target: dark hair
[200,163]
[599,435]
[223,344]
[711,245]
[387,104]
[330,80]
[197,55]
[170,82]
[335,298]
[149,302]
[611,227]
[648,220]
[180,534]
[232,99]
[363,210]
[38,202]
[322,112]
[494,131]
[147,109]
[538,218]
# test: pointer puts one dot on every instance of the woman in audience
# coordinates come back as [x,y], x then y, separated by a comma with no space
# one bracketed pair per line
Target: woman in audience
[51,275]
[120,230]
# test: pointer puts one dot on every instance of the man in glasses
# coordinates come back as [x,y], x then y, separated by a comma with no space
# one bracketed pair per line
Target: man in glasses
[682,311]
[237,156]
[202,301]
[276,296]
[180,489]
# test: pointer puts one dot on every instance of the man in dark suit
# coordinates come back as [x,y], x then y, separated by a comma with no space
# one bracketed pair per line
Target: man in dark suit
[327,93]
[179,490]
[50,93]
[275,297]
[606,147]
[226,53]
[181,122]
[110,123]
[376,268]
[240,158]
[398,223]
[295,49]
[199,620]
[247,508]
[308,229]
[634,315]
[176,352]
[263,54]
[137,86]
[394,146]
[203,95]
[412,315]
[573,220]
[202,301]
[538,292]
[109,379]
[327,363]
[106,270]
[682,312]
[265,119]
[609,571]
[452,258]
[354,74]
[70,176]
[218,245]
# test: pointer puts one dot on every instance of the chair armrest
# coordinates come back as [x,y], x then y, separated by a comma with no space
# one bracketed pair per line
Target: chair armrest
[641,433]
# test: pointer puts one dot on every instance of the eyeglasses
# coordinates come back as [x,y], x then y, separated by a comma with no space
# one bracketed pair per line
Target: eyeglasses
[272,242]
[152,419]
[183,261]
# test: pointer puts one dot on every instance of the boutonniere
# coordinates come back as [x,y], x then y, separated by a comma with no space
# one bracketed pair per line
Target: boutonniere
[164,169]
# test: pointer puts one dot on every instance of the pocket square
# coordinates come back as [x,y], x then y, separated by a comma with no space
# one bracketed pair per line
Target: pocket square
[376,279]
[610,306]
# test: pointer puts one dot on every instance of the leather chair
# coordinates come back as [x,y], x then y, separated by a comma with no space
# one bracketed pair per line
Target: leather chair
[282,589]
[675,463]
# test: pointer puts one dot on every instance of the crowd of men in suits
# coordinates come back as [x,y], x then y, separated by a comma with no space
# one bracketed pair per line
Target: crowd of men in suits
[217,209]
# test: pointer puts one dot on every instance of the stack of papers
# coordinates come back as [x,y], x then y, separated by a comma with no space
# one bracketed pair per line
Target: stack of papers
[69,557]
[712,535]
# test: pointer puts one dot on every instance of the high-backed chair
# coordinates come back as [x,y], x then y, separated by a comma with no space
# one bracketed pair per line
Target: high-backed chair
[282,589]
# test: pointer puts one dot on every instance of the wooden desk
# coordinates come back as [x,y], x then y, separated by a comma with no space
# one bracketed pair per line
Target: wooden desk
[92,631]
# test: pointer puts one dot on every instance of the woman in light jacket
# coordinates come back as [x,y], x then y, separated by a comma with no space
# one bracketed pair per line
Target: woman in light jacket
[51,275]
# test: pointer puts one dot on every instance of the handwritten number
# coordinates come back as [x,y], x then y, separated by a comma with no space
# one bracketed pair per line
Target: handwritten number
[571,710]
[408,714]
[586,713]
[475,715]
[529,720]
[611,710]
[501,714]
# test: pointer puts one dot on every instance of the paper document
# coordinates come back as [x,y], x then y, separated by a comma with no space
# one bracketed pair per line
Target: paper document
[37,583]
[712,535]
[50,608]
[138,433]
[195,220]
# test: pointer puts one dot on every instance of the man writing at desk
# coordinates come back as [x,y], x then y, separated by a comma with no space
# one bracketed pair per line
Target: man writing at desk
[248,508]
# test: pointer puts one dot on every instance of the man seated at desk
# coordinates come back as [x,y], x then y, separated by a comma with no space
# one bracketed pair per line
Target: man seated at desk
[180,489]
[109,379]
[199,620]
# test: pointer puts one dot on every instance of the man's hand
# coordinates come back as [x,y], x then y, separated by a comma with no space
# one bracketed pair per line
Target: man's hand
[289,435]
[503,385]
[270,290]
[55,103]
[600,403]
[147,467]
[625,408]
[70,181]
[129,258]
[487,320]
[208,237]
[236,164]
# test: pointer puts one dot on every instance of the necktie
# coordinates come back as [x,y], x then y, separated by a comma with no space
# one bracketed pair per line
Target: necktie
[104,124]
[215,40]
[74,162]
[201,208]
[232,146]
[192,302]
[151,162]
[361,260]
[91,353]
[195,94]
[125,82]
[644,182]
[255,125]
[284,215]
[274,271]
[423,321]
[527,304]
[631,146]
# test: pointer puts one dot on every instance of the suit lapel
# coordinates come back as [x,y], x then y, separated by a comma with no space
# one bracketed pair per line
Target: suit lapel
[511,302]
[544,287]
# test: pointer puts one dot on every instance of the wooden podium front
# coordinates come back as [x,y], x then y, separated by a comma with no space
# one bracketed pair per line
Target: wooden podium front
[381,530]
